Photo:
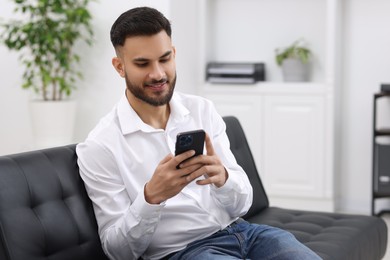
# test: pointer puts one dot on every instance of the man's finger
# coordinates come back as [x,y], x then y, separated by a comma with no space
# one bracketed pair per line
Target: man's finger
[183,156]
[166,159]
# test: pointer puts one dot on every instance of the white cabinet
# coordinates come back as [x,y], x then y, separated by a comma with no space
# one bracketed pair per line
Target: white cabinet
[247,109]
[293,145]
[289,126]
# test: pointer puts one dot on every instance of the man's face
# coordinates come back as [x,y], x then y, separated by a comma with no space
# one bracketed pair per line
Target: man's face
[148,65]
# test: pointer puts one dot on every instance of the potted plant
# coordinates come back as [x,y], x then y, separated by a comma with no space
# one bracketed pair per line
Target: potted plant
[294,61]
[46,38]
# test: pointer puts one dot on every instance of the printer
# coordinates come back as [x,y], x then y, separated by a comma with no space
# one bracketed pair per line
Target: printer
[235,73]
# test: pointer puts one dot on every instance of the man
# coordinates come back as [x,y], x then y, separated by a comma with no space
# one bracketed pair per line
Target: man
[145,205]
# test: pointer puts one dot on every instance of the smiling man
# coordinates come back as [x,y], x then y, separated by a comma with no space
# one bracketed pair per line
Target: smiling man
[144,204]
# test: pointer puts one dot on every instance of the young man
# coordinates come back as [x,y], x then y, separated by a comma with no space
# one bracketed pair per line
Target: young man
[145,205]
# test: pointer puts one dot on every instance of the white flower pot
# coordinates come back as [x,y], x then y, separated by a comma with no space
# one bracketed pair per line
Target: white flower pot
[295,71]
[52,122]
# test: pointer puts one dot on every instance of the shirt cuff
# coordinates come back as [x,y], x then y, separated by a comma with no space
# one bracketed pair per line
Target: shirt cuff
[228,186]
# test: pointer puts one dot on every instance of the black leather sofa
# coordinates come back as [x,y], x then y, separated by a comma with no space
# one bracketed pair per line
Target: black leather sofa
[332,236]
[45,212]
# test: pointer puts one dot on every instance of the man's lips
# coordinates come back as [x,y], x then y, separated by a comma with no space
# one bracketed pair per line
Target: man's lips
[157,86]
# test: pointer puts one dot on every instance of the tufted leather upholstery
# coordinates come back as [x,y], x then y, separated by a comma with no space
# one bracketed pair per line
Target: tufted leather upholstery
[45,212]
[332,236]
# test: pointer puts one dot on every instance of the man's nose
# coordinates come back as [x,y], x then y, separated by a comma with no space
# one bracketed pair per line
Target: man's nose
[157,72]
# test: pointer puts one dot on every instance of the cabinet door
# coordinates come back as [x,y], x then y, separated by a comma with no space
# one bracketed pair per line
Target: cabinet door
[247,108]
[293,146]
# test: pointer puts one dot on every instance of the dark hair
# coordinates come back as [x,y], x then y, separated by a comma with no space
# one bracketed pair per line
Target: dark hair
[140,21]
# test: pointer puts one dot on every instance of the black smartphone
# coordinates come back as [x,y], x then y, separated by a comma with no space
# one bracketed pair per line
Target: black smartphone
[191,140]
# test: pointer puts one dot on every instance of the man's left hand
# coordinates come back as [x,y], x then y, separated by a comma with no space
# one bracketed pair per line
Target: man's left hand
[213,170]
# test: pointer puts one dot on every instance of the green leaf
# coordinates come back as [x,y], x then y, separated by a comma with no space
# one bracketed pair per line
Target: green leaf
[46,40]
[296,50]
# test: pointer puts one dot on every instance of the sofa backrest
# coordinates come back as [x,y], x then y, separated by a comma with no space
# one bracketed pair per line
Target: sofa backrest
[241,150]
[45,212]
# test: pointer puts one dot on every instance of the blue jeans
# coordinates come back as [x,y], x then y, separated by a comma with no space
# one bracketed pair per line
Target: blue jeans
[243,240]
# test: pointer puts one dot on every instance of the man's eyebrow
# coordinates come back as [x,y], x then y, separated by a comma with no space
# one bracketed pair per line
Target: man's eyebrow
[166,54]
[140,59]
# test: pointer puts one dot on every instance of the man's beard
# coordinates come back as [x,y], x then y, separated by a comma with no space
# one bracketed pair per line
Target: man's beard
[160,100]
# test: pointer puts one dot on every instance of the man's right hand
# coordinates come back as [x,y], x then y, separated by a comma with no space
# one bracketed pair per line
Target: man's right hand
[167,180]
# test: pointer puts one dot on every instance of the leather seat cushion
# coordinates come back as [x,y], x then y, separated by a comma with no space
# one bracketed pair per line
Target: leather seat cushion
[330,235]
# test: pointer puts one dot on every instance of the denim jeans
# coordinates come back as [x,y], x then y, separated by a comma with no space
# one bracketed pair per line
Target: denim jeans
[243,240]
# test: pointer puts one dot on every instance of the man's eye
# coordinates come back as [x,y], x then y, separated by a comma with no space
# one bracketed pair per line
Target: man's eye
[141,64]
[165,59]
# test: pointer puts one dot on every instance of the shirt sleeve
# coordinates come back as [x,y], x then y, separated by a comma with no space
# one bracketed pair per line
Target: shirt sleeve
[125,227]
[236,194]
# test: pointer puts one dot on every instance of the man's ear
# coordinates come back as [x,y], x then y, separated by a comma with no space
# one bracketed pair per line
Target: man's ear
[118,65]
[174,51]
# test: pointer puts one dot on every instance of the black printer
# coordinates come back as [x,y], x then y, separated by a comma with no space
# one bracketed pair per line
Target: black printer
[235,73]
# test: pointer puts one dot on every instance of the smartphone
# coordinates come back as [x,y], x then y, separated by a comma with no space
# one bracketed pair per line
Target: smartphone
[191,140]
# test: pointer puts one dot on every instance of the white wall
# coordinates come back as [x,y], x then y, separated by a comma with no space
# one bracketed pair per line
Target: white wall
[15,132]
[365,64]
[96,94]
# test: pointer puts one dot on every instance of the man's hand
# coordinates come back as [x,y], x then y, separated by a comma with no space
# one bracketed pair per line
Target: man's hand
[167,180]
[212,167]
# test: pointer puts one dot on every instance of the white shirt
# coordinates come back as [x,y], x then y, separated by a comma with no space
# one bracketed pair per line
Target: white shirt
[120,156]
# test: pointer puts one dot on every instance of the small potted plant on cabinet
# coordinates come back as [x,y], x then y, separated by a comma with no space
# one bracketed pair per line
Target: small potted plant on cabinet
[46,38]
[294,61]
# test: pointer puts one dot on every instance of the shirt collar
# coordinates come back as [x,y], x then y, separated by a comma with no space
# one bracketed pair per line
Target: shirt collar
[178,111]
[130,122]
